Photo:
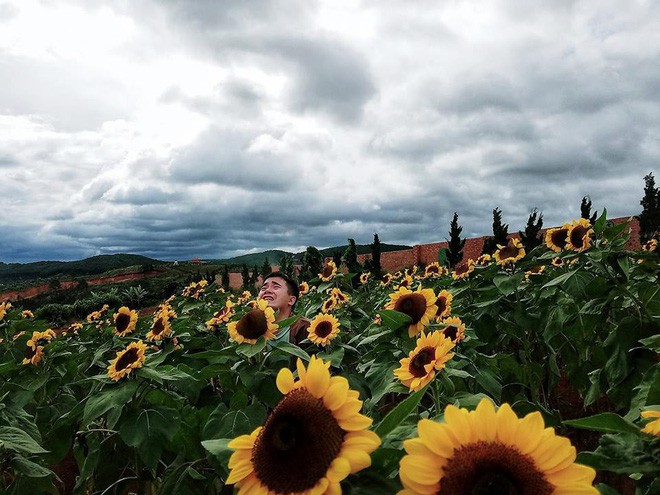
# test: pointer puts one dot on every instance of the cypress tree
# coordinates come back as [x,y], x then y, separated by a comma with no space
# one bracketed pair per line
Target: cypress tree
[349,258]
[225,277]
[286,265]
[649,219]
[336,257]
[245,275]
[500,234]
[374,264]
[254,276]
[455,243]
[530,238]
[312,263]
[585,210]
[265,269]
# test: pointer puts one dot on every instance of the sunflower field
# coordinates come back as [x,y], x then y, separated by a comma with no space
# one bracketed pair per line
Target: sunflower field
[525,373]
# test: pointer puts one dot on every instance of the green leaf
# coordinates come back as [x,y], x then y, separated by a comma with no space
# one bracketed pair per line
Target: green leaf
[153,423]
[115,397]
[397,415]
[652,342]
[372,338]
[294,350]
[442,256]
[29,468]
[393,319]
[218,447]
[605,422]
[507,284]
[17,440]
[561,279]
[606,489]
[249,350]
[599,226]
[335,357]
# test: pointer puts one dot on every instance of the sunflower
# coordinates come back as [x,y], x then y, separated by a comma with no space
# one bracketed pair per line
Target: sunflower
[74,328]
[127,360]
[4,307]
[650,245]
[160,328]
[303,288]
[245,296]
[556,238]
[378,320]
[443,302]
[364,278]
[406,282]
[463,270]
[410,271]
[431,353]
[96,315]
[27,314]
[484,259]
[419,305]
[40,337]
[125,321]
[33,354]
[313,439]
[486,450]
[535,270]
[258,322]
[433,270]
[512,252]
[339,296]
[653,427]
[195,289]
[323,329]
[387,279]
[329,304]
[557,261]
[578,236]
[454,329]
[329,271]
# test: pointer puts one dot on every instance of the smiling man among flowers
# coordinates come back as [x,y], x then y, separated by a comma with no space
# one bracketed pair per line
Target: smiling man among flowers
[281,293]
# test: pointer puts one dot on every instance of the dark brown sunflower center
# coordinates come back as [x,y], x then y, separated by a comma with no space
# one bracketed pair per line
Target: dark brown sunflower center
[297,444]
[414,305]
[122,322]
[158,327]
[432,270]
[461,269]
[490,468]
[451,332]
[327,271]
[421,359]
[253,325]
[536,269]
[324,329]
[30,352]
[558,238]
[577,236]
[509,252]
[221,314]
[128,358]
[441,303]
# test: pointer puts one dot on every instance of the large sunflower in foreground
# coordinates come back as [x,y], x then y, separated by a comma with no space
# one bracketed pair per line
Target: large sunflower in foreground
[419,305]
[125,321]
[512,252]
[127,360]
[258,322]
[329,271]
[430,355]
[579,235]
[487,451]
[556,238]
[314,438]
[323,329]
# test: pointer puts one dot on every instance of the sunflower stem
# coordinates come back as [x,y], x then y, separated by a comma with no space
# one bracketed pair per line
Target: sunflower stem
[436,396]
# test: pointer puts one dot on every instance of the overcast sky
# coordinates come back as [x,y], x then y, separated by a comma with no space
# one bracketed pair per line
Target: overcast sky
[178,128]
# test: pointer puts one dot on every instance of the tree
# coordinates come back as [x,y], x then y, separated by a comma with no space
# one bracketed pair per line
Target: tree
[373,264]
[500,234]
[336,257]
[254,276]
[455,243]
[265,269]
[225,277]
[585,210]
[312,263]
[350,259]
[245,275]
[286,265]
[649,219]
[530,238]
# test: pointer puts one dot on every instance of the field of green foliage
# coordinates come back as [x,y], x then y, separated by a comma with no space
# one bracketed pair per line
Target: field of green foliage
[505,375]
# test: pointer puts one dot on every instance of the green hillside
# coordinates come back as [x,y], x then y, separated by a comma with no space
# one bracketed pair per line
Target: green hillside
[20,272]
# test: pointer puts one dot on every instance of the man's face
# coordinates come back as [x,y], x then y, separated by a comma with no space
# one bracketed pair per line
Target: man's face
[276,293]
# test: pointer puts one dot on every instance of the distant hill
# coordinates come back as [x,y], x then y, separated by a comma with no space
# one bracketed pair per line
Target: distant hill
[20,272]
[274,255]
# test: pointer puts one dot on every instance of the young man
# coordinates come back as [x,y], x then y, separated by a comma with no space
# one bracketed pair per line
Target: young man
[281,292]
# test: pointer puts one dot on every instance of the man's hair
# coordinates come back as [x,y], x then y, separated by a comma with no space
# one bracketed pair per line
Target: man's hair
[292,286]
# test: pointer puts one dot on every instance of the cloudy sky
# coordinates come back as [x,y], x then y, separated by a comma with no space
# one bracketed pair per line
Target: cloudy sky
[207,128]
